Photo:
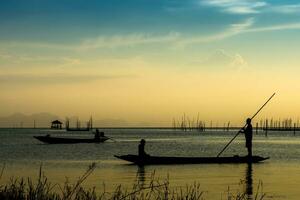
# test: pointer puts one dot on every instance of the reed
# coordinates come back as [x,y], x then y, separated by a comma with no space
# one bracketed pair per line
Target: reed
[187,124]
[263,125]
[42,189]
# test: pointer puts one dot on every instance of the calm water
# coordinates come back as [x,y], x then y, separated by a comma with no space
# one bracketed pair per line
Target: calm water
[280,175]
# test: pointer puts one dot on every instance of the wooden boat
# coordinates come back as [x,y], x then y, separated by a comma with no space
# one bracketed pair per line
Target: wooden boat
[156,160]
[77,129]
[60,140]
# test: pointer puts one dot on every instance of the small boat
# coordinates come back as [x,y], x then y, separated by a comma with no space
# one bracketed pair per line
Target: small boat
[78,129]
[157,160]
[60,140]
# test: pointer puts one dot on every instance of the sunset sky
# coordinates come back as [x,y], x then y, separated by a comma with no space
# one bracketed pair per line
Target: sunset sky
[150,61]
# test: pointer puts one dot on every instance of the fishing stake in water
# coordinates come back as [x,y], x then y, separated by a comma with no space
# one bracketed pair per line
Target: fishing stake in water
[245,125]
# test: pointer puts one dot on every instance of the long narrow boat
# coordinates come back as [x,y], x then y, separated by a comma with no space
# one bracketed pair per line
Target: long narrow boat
[157,160]
[78,129]
[60,140]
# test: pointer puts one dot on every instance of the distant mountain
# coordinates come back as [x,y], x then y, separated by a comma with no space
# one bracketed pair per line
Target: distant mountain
[18,120]
[44,119]
[111,123]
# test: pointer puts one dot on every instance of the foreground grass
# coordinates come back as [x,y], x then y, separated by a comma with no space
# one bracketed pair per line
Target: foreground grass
[42,189]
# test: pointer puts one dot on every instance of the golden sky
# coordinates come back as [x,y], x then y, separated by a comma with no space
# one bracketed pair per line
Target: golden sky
[150,63]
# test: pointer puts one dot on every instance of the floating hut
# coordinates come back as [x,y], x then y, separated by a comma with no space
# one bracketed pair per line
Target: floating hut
[56,124]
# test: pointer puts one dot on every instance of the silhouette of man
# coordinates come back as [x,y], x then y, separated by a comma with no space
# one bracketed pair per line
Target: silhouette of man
[142,152]
[248,136]
[101,134]
[97,135]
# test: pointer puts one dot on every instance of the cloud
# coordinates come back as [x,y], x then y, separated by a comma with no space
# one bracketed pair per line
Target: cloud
[237,6]
[234,29]
[279,27]
[135,39]
[42,45]
[68,61]
[14,60]
[251,6]
[175,39]
[286,9]
[237,29]
[126,40]
[5,56]
[238,61]
[223,60]
[101,41]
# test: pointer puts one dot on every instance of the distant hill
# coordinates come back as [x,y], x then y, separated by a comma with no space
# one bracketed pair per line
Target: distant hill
[44,119]
[111,123]
[19,120]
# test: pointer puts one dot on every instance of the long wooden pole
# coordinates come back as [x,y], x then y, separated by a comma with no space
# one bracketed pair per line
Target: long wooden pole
[245,125]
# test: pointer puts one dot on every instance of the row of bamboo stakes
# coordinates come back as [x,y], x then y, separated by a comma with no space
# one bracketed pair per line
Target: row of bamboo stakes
[190,124]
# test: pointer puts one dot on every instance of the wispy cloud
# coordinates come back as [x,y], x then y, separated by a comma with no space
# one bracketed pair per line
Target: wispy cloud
[42,45]
[286,9]
[132,40]
[68,61]
[13,59]
[279,27]
[174,38]
[5,56]
[237,29]
[126,40]
[237,6]
[234,29]
[111,41]
[251,6]
[220,59]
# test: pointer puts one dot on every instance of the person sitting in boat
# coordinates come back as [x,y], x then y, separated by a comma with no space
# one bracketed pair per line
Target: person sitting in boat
[248,136]
[97,134]
[142,152]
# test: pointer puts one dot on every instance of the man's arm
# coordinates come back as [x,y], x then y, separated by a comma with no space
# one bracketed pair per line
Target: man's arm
[242,130]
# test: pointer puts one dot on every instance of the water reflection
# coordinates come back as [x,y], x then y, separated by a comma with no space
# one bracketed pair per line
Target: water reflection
[249,182]
[141,176]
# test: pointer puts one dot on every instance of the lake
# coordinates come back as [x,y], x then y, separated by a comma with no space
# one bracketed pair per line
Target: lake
[279,176]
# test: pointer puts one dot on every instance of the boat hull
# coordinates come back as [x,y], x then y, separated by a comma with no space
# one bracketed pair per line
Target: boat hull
[59,140]
[157,160]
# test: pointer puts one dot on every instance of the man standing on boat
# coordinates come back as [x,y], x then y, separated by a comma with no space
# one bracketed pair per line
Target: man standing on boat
[248,136]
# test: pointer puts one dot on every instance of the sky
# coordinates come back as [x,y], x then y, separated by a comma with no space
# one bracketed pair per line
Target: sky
[150,61]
